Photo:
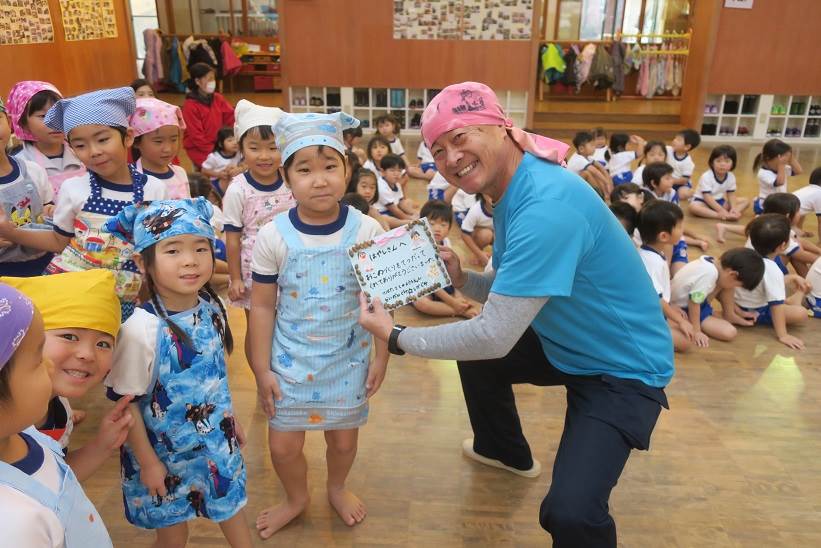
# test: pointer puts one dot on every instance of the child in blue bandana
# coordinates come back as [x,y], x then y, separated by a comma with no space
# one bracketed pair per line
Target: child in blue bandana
[97,129]
[182,458]
[311,359]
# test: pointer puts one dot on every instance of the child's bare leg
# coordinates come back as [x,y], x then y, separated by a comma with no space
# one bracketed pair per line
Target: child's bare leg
[741,204]
[700,209]
[719,329]
[723,228]
[236,531]
[292,469]
[340,455]
[680,341]
[247,345]
[483,237]
[408,206]
[801,268]
[395,222]
[175,536]
[428,306]
[795,314]
[675,266]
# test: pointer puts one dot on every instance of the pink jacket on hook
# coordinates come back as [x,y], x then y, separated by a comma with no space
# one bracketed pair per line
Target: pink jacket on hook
[152,65]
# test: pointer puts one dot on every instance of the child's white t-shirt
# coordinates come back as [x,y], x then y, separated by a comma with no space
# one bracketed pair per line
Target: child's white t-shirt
[682,167]
[669,196]
[424,155]
[477,217]
[67,161]
[814,278]
[388,195]
[599,155]
[271,251]
[771,290]
[24,522]
[694,282]
[708,183]
[577,163]
[396,147]
[462,201]
[810,198]
[767,179]
[620,162]
[638,175]
[76,191]
[656,266]
[217,162]
[438,182]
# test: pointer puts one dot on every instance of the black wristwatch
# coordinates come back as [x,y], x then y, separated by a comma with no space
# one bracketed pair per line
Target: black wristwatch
[393,340]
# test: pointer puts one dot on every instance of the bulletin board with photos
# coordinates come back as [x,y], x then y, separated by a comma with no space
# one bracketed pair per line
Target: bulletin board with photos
[88,19]
[462,19]
[25,22]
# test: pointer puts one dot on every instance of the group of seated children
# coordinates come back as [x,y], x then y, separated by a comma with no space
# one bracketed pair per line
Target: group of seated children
[752,283]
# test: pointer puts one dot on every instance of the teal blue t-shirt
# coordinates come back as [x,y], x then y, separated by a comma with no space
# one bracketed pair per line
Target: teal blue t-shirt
[556,238]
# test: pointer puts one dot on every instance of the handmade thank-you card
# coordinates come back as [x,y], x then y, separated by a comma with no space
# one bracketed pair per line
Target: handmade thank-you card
[400,266]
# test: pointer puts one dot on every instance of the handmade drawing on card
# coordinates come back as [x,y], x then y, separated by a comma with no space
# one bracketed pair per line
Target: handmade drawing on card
[400,266]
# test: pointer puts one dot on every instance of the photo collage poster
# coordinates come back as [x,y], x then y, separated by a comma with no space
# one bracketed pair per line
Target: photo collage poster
[25,22]
[462,19]
[89,19]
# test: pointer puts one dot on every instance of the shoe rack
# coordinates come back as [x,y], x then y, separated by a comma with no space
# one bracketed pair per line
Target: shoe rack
[407,104]
[761,117]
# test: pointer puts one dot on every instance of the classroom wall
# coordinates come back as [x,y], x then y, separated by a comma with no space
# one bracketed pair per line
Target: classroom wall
[770,49]
[74,67]
[350,42]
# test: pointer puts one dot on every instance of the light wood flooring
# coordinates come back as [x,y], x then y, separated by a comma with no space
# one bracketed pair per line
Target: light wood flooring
[735,462]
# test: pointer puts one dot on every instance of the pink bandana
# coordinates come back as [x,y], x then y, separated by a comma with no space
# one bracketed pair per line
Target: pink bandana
[19,98]
[153,114]
[474,104]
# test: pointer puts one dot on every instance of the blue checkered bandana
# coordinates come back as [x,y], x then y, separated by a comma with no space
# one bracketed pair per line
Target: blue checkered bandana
[146,223]
[107,107]
[297,131]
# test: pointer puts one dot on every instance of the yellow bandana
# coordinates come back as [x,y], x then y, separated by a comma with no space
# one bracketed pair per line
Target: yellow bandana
[83,300]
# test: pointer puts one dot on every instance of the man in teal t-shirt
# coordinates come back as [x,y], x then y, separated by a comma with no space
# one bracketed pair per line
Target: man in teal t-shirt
[568,303]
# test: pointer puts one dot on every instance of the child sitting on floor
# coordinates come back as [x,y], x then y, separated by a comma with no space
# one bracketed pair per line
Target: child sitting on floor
[477,230]
[678,156]
[365,183]
[661,224]
[714,197]
[620,159]
[767,303]
[583,164]
[449,301]
[773,165]
[392,198]
[699,281]
[654,151]
[810,199]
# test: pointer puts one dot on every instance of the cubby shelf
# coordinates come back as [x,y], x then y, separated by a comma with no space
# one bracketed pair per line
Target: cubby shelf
[743,116]
[407,104]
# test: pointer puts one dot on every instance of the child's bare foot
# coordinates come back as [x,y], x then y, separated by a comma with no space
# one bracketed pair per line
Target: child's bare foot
[272,519]
[347,505]
[721,228]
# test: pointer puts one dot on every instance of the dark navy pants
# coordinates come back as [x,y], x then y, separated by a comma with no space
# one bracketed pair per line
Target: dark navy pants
[606,418]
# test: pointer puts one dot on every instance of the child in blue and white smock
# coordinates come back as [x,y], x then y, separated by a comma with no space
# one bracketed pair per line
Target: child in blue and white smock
[43,504]
[181,459]
[311,358]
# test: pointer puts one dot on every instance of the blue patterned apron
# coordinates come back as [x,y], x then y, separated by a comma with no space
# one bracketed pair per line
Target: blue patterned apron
[24,207]
[80,520]
[92,248]
[190,423]
[320,353]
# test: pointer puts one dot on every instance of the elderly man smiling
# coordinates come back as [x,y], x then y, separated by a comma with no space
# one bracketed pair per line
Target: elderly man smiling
[568,303]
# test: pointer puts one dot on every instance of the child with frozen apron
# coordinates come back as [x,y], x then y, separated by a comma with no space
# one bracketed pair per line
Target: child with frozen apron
[96,125]
[314,369]
[43,503]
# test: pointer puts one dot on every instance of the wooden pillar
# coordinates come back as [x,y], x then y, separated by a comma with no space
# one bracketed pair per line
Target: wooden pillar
[535,42]
[702,44]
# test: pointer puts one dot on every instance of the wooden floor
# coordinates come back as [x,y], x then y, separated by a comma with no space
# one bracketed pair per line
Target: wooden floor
[735,462]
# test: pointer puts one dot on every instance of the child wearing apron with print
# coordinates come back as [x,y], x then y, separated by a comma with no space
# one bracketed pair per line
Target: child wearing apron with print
[28,103]
[311,359]
[25,197]
[253,198]
[181,459]
[96,125]
[158,130]
[43,502]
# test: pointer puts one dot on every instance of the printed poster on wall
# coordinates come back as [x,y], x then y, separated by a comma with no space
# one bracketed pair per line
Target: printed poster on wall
[400,266]
[25,22]
[462,19]
[89,19]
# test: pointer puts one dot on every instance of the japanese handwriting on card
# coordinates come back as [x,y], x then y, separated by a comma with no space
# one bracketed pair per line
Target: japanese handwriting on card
[400,266]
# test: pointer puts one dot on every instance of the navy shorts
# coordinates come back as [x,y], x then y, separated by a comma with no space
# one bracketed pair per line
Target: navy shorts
[765,316]
[706,311]
[459,216]
[758,206]
[680,252]
[436,194]
[427,166]
[720,201]
[622,178]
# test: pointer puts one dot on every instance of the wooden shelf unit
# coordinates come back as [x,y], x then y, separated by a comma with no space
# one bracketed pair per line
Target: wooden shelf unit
[759,117]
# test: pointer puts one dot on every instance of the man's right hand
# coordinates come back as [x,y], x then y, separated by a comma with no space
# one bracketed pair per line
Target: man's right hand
[454,266]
